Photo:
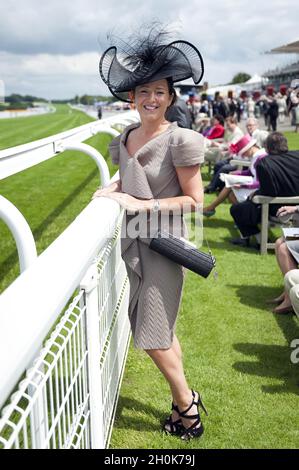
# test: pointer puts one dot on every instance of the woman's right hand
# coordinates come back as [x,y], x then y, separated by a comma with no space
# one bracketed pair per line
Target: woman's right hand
[102,192]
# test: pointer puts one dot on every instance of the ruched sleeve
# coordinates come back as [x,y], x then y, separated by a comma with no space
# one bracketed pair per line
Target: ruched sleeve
[114,150]
[186,147]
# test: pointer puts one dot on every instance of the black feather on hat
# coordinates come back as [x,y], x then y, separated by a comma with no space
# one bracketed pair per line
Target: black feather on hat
[147,59]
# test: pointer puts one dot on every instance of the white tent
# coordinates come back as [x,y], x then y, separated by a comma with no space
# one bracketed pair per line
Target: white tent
[255,79]
[224,89]
[255,82]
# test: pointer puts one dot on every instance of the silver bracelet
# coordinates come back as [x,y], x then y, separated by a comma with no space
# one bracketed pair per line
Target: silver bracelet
[156,205]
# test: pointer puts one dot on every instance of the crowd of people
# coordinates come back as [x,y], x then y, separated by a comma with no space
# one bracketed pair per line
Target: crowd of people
[272,107]
[272,170]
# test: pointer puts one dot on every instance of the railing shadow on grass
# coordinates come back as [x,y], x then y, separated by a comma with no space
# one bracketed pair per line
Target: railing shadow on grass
[273,360]
[8,263]
[225,242]
[216,223]
[224,245]
[142,412]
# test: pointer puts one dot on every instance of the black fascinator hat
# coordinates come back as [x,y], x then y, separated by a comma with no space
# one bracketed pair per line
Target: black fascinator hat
[147,59]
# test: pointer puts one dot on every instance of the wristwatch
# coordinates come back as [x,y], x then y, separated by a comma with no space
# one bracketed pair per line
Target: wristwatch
[156,205]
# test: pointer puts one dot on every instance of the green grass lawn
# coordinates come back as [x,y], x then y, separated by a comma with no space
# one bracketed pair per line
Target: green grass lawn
[236,352]
[51,194]
[17,131]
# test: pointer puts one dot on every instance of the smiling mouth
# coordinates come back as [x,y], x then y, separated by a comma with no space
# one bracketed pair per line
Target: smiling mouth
[150,108]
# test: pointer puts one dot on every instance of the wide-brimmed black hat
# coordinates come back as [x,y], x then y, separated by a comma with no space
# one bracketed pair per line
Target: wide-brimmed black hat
[177,61]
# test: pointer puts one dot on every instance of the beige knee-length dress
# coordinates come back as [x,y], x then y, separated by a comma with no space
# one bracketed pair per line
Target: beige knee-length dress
[156,283]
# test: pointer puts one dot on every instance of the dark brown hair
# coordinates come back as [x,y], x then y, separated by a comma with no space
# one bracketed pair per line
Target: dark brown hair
[171,91]
[276,143]
[219,118]
[232,119]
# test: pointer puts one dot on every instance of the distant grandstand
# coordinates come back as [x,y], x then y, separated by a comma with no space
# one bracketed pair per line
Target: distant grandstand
[284,75]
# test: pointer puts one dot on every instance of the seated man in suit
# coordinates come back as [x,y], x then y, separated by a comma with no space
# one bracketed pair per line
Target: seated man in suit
[278,175]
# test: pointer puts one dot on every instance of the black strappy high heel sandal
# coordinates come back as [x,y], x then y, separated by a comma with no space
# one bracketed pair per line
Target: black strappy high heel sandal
[173,427]
[196,429]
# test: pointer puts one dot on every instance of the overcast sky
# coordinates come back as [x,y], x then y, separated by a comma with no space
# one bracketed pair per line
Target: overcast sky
[52,49]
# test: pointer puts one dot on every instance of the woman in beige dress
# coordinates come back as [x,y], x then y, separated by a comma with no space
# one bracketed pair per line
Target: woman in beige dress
[159,172]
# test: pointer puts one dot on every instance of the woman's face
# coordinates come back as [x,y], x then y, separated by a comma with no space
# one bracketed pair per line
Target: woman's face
[152,100]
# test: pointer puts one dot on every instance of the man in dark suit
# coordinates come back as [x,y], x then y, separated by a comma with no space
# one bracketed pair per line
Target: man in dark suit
[179,112]
[273,114]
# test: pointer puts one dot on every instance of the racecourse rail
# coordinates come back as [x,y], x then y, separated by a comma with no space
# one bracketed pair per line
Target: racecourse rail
[64,329]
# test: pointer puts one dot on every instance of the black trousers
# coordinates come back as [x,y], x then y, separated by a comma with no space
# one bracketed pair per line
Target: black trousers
[247,215]
[273,123]
[223,166]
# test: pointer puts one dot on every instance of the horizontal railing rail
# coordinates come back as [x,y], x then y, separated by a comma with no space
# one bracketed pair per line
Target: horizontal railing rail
[19,158]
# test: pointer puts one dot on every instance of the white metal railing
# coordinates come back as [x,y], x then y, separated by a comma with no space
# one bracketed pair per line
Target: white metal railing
[16,159]
[64,394]
[67,397]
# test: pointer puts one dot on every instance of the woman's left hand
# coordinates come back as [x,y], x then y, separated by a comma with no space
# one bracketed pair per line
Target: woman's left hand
[128,202]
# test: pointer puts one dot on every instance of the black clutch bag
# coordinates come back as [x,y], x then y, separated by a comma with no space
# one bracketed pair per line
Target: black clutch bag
[181,252]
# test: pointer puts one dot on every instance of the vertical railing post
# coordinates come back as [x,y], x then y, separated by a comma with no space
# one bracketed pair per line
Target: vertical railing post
[38,413]
[90,286]
[264,228]
[21,232]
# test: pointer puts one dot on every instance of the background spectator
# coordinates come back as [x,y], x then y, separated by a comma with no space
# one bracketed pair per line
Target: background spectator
[287,256]
[273,114]
[294,101]
[258,134]
[217,129]
[282,107]
[222,165]
[278,175]
[179,112]
[245,147]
